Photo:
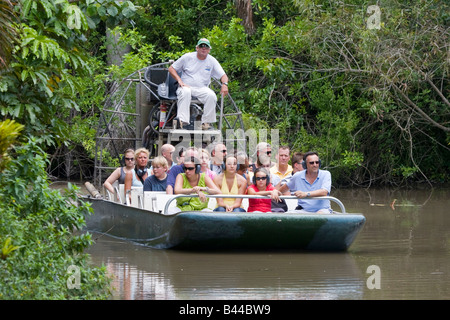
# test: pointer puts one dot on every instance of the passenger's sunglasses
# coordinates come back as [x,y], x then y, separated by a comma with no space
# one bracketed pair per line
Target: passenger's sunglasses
[129,159]
[188,168]
[261,178]
[314,162]
[203,45]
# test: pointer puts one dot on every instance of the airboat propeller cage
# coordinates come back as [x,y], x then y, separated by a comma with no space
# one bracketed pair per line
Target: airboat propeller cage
[140,111]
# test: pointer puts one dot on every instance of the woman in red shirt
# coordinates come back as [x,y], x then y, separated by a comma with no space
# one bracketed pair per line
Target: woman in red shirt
[262,187]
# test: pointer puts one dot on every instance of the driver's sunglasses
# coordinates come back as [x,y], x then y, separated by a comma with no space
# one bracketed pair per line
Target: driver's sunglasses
[203,45]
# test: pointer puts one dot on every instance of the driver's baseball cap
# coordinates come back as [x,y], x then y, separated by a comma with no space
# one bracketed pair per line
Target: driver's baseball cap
[204,41]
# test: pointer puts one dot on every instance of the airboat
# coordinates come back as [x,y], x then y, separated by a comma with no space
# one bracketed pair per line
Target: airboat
[141,112]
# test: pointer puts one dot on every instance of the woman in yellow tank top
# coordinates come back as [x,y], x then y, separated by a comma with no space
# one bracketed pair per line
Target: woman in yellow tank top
[229,182]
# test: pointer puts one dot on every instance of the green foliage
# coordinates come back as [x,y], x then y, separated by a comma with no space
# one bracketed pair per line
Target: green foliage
[7,249]
[41,87]
[38,234]
[9,133]
[312,69]
[184,19]
[40,83]
[140,55]
[359,96]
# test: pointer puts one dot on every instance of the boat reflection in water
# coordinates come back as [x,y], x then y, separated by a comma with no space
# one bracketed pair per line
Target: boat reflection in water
[143,273]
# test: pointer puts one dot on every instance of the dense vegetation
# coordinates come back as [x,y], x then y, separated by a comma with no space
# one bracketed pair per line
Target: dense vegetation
[366,86]
[40,256]
[368,89]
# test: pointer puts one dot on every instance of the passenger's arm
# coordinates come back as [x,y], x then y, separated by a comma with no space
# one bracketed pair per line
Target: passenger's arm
[242,187]
[315,193]
[128,182]
[218,183]
[283,188]
[111,179]
[178,188]
[169,189]
[212,187]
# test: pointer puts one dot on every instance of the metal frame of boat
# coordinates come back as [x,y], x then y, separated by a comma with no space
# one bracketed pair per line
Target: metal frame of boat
[211,230]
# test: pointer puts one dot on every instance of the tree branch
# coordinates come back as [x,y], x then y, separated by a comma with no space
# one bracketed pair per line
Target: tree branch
[420,111]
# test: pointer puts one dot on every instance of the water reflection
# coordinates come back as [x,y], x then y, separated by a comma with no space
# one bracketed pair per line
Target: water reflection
[409,242]
[144,273]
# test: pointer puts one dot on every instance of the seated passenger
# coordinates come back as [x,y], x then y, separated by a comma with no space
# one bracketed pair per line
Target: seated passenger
[312,182]
[193,181]
[136,177]
[205,158]
[120,173]
[262,187]
[176,170]
[282,169]
[243,168]
[218,154]
[263,154]
[167,151]
[264,162]
[296,160]
[158,180]
[229,182]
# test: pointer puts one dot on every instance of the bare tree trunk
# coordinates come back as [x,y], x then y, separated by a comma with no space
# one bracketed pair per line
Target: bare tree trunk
[115,49]
[68,159]
[8,33]
[245,12]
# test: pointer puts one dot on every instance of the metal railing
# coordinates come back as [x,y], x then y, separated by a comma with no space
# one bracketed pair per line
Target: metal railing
[166,207]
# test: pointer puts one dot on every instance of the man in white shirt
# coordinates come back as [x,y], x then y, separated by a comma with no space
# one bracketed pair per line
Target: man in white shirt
[193,72]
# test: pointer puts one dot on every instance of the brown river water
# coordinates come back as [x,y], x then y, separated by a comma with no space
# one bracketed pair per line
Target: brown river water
[402,253]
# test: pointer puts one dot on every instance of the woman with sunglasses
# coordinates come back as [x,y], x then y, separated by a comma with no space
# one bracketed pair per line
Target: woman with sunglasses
[120,173]
[193,181]
[262,187]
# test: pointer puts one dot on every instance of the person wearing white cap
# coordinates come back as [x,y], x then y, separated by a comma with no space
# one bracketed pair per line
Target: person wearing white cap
[193,72]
